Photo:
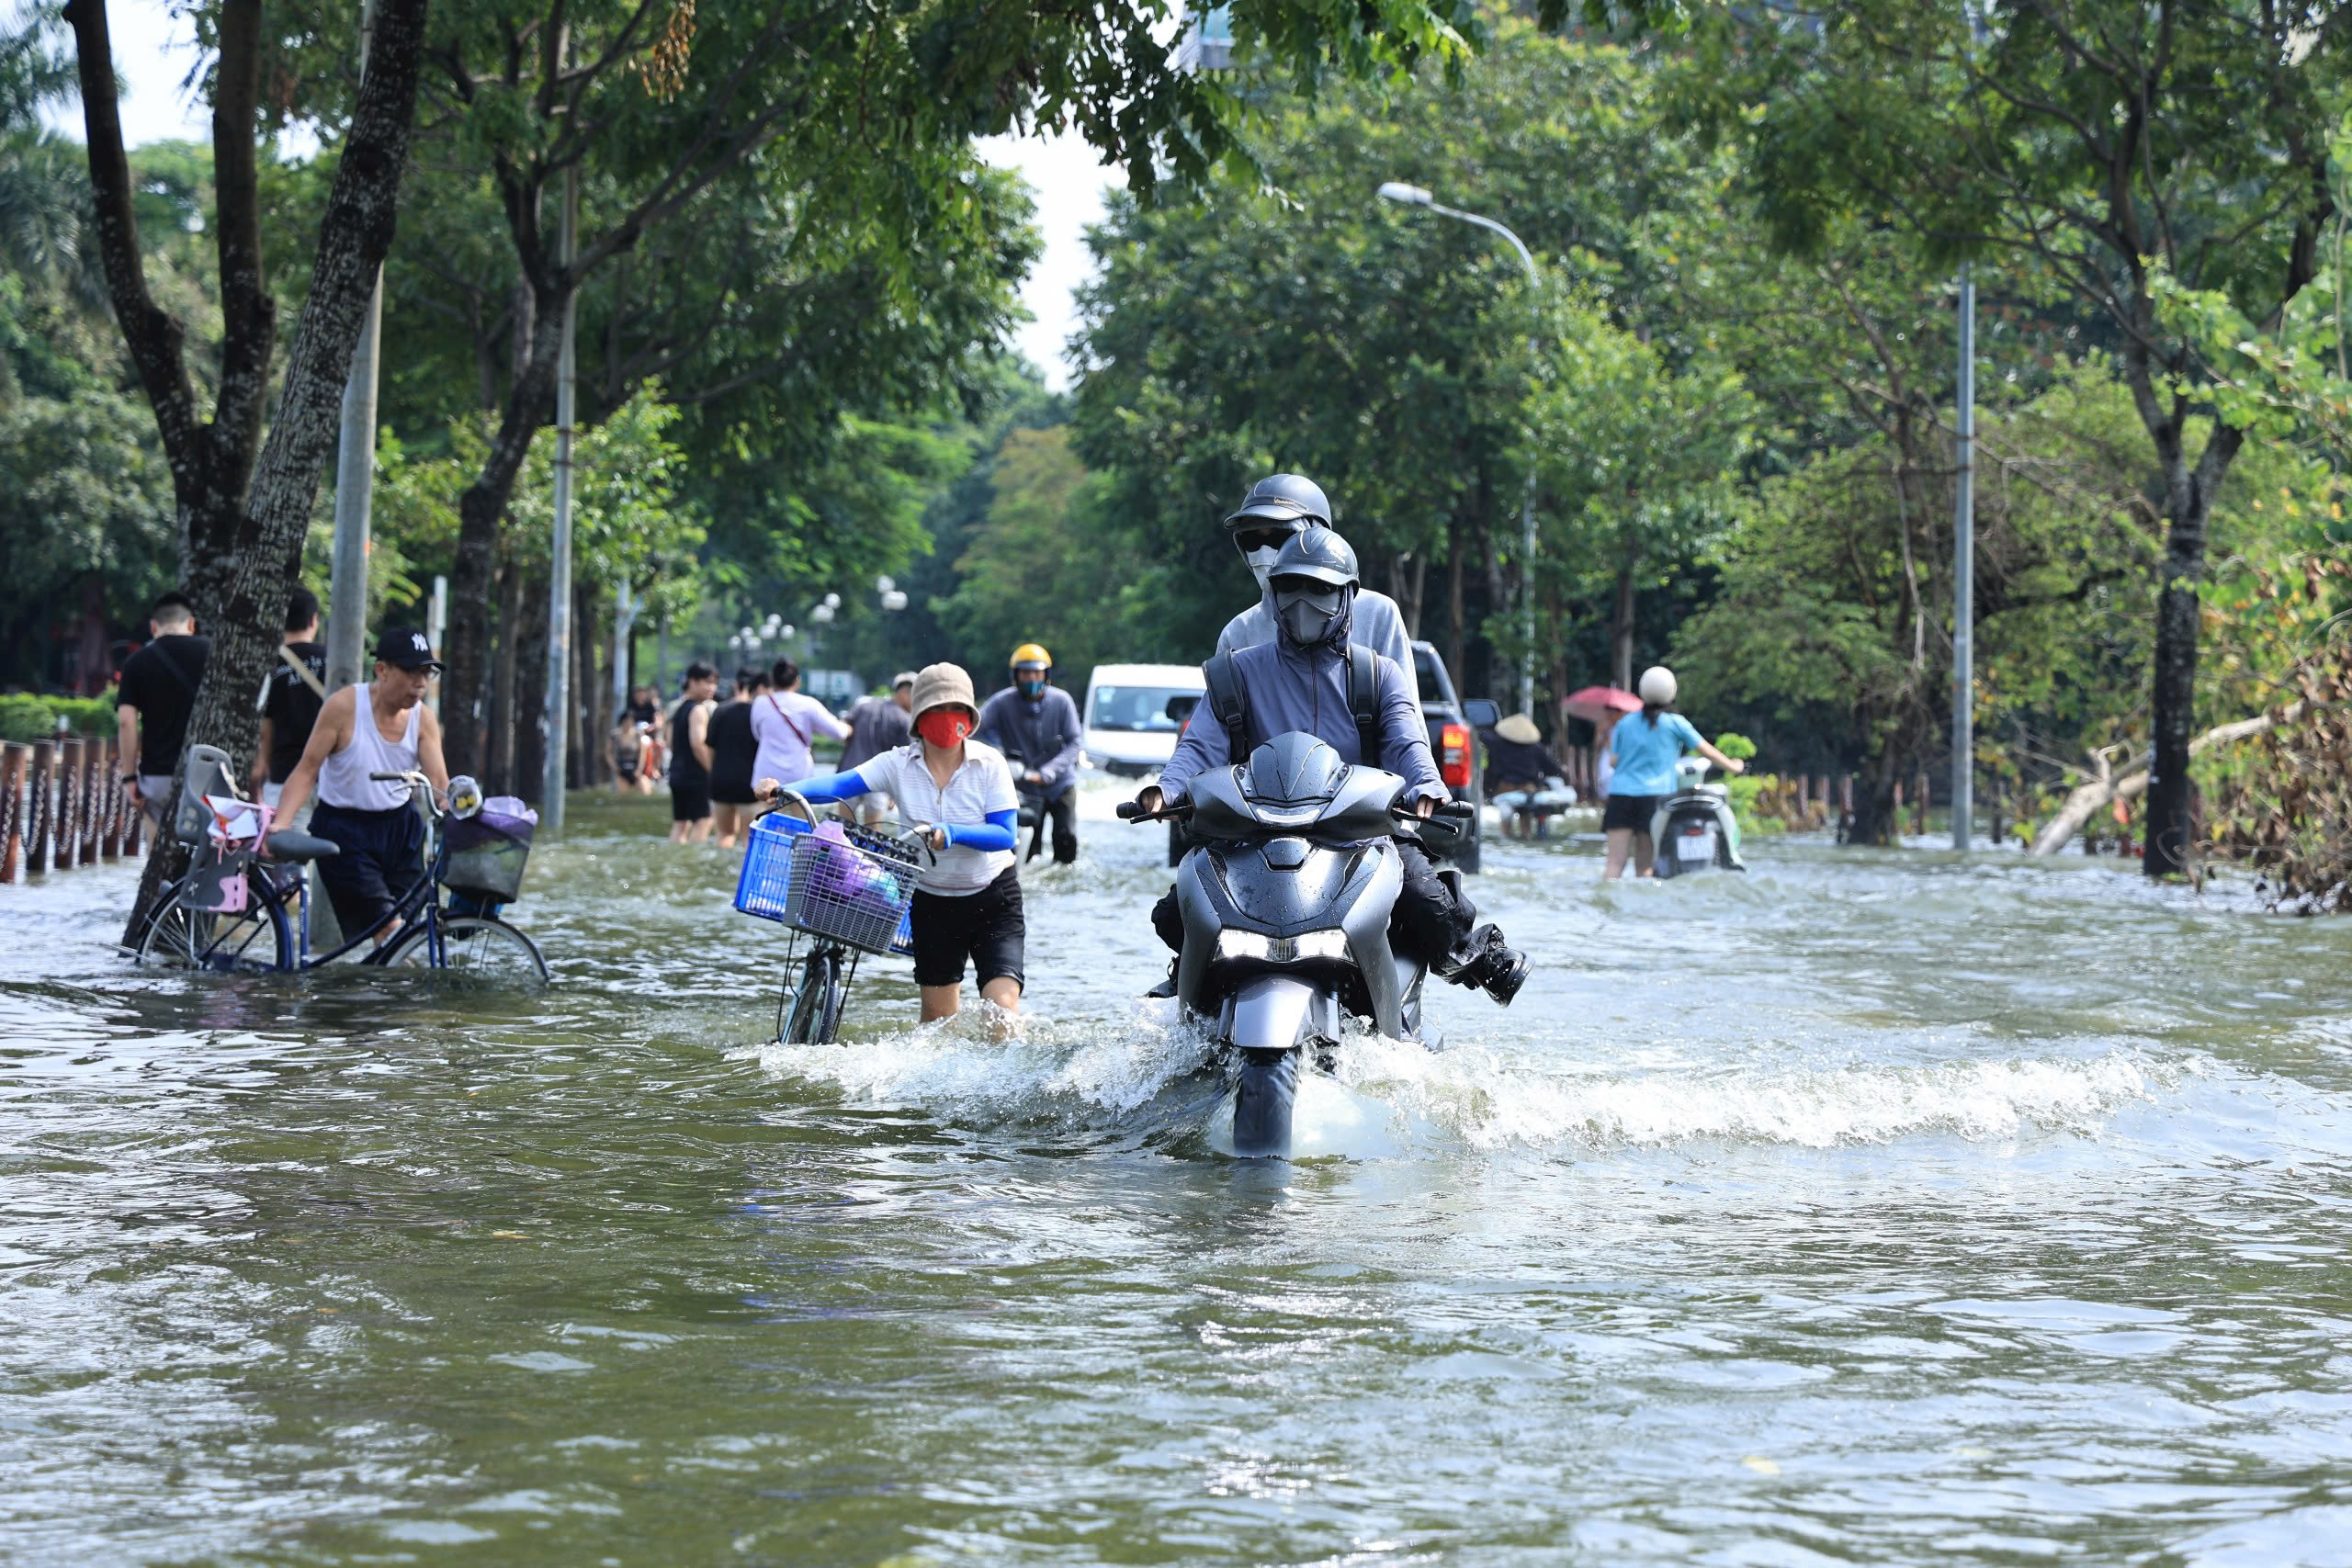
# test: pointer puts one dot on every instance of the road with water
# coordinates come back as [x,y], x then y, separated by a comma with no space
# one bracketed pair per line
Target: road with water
[1872,1208]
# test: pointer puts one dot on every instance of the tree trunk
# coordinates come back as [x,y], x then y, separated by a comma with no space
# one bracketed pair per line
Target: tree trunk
[480,512]
[502,703]
[1453,608]
[265,551]
[530,710]
[1621,620]
[1875,812]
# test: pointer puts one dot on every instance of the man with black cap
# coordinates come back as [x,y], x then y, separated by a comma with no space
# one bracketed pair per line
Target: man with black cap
[380,726]
[1277,507]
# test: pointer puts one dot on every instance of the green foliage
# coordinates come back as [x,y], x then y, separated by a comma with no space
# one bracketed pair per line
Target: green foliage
[1036,570]
[1734,745]
[27,718]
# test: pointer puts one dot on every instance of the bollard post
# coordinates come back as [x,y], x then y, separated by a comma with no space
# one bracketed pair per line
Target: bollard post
[1919,812]
[109,802]
[94,764]
[69,770]
[12,810]
[39,797]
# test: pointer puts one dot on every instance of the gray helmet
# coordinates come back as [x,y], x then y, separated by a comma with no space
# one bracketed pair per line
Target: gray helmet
[1291,500]
[1319,554]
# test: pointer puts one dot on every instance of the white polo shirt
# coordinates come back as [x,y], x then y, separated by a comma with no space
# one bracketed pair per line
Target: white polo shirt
[984,784]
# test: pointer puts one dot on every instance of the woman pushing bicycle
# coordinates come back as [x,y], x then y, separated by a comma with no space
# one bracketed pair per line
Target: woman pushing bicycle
[966,905]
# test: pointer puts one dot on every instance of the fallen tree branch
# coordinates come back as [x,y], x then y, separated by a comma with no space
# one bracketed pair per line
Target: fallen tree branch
[2086,798]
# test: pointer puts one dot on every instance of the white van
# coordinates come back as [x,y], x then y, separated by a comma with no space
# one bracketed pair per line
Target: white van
[1134,713]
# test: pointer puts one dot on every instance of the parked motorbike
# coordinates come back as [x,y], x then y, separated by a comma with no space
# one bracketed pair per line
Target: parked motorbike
[1695,827]
[1285,899]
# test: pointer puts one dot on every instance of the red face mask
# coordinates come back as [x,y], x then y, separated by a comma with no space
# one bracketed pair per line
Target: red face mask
[945,728]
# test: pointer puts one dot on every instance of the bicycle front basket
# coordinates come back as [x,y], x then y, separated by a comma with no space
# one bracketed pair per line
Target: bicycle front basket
[487,855]
[854,890]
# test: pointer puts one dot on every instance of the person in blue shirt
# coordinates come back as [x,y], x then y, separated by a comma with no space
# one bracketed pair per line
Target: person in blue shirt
[1643,749]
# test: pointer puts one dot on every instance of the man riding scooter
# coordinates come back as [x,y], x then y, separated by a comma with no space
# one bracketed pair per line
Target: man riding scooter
[1278,508]
[1033,722]
[1309,679]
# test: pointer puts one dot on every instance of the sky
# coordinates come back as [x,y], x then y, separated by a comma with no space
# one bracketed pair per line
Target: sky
[154,51]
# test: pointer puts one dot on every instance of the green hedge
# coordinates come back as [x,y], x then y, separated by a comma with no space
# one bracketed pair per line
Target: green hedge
[26,717]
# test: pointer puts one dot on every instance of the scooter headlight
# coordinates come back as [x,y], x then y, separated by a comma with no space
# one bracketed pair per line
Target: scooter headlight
[1332,943]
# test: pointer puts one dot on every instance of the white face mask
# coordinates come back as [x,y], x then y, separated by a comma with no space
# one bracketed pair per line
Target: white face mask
[1262,565]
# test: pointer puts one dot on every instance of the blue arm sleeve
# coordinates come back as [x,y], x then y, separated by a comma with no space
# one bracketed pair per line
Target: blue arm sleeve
[995,835]
[835,786]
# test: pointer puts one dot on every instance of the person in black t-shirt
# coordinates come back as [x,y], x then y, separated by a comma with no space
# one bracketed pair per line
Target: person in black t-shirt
[290,697]
[157,694]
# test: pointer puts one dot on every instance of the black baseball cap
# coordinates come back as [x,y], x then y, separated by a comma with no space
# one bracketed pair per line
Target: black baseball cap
[404,647]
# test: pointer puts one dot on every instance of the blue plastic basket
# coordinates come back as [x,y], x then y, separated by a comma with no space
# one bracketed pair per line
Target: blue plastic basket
[763,889]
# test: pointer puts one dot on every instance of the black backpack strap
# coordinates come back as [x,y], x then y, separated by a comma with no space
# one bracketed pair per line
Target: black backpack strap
[1229,706]
[1364,701]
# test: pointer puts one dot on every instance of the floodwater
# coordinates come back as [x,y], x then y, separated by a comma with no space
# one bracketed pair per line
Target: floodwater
[1872,1208]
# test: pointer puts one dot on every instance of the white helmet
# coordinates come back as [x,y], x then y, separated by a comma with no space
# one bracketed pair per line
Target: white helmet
[1657,685]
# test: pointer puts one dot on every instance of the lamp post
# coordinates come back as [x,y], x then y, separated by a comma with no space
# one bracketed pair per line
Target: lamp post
[1414,196]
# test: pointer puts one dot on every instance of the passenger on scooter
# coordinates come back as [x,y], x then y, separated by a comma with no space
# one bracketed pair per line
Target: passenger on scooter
[1276,509]
[1305,680]
[967,903]
[1035,721]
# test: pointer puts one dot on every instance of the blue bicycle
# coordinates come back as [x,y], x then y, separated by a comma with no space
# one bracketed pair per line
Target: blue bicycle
[236,912]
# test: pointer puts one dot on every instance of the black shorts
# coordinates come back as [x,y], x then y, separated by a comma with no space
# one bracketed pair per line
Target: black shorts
[1634,811]
[731,791]
[690,799]
[987,926]
[382,857]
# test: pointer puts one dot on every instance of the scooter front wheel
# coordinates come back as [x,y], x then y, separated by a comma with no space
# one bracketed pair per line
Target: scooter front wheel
[1265,1090]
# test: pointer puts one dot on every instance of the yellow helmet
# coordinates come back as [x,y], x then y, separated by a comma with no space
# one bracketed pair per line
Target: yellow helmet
[1030,653]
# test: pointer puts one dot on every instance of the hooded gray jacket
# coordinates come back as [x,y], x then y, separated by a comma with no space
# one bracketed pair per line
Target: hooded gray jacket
[1293,689]
[1379,625]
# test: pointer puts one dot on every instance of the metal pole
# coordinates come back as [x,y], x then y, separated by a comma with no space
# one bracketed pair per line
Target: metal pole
[1964,589]
[624,630]
[559,709]
[355,472]
[436,622]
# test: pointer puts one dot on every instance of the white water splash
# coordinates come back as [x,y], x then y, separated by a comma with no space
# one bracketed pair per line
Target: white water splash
[1474,1096]
[1390,1097]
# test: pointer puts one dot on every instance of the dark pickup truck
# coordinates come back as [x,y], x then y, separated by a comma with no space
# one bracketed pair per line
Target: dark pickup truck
[1454,723]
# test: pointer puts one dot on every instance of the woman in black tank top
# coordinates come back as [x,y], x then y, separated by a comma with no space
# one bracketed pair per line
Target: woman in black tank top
[732,750]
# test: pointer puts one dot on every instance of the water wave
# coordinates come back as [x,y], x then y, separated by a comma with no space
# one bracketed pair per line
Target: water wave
[1393,1097]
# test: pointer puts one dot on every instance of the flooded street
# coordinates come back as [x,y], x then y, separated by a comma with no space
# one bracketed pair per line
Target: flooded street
[1871,1208]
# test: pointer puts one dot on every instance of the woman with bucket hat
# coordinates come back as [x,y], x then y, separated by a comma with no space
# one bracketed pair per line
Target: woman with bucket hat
[1523,779]
[967,902]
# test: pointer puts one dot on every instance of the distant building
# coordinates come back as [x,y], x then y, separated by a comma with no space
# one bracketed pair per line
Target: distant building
[1208,39]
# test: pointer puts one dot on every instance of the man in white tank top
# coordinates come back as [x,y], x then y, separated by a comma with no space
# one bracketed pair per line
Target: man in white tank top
[380,726]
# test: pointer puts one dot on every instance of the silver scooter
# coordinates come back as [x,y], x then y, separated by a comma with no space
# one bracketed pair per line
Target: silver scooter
[1694,829]
[1285,902]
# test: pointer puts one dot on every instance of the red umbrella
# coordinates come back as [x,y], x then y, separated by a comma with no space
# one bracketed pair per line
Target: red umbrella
[1595,704]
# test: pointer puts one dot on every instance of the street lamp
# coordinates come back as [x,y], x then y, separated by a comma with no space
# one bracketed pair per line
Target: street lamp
[1414,196]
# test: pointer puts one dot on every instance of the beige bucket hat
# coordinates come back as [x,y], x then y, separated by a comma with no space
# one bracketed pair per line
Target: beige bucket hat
[938,685]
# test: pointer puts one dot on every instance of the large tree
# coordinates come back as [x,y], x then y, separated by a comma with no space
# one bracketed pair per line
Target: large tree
[845,123]
[244,485]
[2111,142]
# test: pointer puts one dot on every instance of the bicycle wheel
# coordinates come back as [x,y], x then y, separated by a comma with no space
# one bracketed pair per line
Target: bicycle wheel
[253,941]
[816,1015]
[476,946]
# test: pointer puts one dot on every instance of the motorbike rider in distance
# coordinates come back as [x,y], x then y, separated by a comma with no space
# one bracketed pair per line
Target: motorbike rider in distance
[1307,680]
[1278,508]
